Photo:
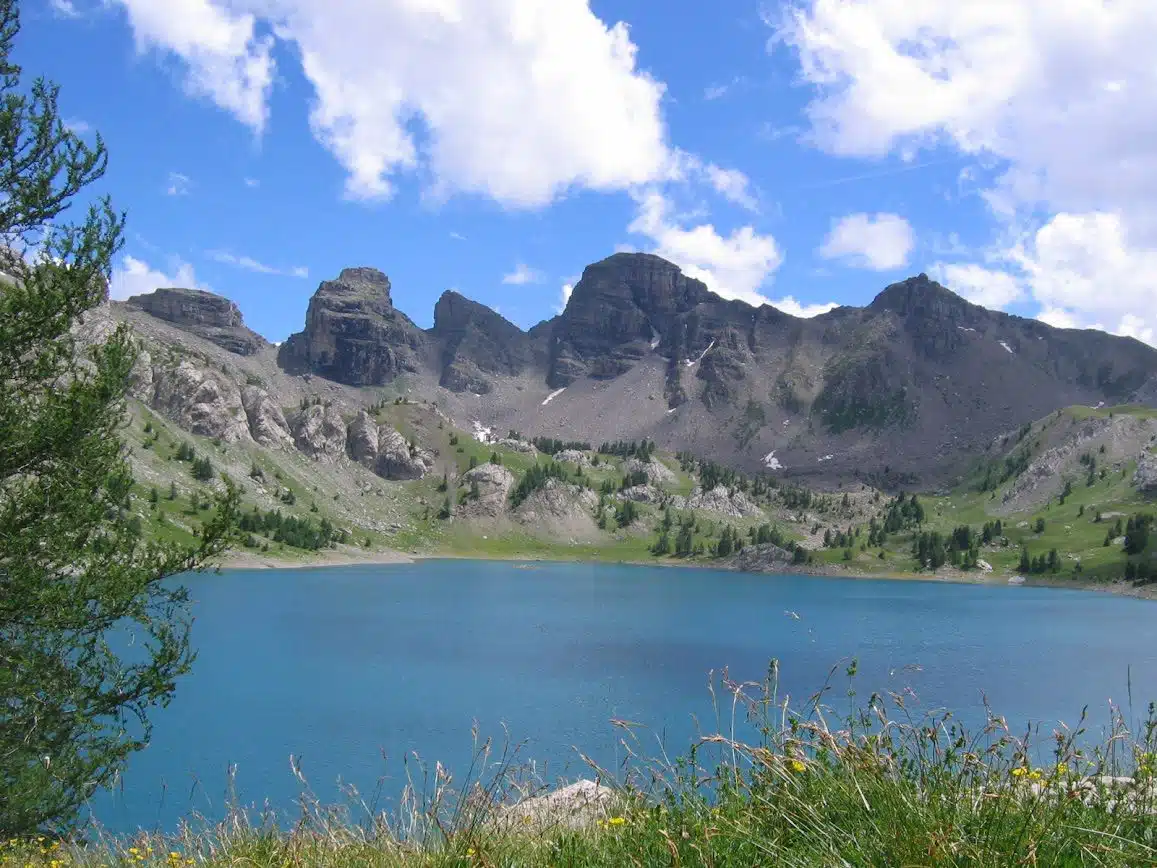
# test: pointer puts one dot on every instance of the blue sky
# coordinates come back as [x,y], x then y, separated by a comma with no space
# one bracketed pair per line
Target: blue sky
[806,154]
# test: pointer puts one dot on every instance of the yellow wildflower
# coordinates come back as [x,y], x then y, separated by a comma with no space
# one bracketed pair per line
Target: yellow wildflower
[1062,768]
[469,851]
[1019,772]
[797,766]
[617,821]
[1034,775]
[134,850]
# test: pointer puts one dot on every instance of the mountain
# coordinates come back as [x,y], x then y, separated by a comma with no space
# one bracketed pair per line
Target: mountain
[907,391]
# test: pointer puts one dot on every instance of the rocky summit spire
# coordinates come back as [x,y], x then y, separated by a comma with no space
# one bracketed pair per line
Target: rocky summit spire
[353,334]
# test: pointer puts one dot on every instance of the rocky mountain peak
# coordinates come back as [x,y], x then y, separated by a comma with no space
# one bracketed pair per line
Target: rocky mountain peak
[202,313]
[476,344]
[353,334]
[623,307]
[920,296]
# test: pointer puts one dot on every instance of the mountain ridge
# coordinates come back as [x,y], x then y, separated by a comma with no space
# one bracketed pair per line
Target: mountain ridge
[901,390]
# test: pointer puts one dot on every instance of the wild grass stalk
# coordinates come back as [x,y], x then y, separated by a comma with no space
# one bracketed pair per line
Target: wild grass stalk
[771,784]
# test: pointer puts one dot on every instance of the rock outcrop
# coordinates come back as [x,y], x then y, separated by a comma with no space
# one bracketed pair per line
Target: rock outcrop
[201,313]
[494,483]
[397,459]
[657,472]
[561,510]
[726,501]
[201,401]
[477,344]
[320,432]
[573,456]
[353,334]
[267,423]
[1145,477]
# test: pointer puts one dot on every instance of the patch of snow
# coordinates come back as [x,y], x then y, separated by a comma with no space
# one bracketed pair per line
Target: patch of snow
[672,410]
[786,422]
[966,329]
[1007,347]
[483,434]
[984,565]
[1100,404]
[553,395]
[689,363]
[771,462]
[654,338]
[825,458]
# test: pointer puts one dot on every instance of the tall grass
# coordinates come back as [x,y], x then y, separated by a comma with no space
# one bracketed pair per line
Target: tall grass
[879,784]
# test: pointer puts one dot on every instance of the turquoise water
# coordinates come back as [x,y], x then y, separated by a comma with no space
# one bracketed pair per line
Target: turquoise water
[351,668]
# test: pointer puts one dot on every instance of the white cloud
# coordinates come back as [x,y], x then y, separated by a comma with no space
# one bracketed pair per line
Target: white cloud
[991,288]
[522,275]
[250,264]
[1060,94]
[880,242]
[789,305]
[715,91]
[519,100]
[1085,267]
[457,236]
[178,184]
[564,293]
[733,266]
[77,126]
[64,8]
[252,183]
[732,185]
[135,277]
[224,58]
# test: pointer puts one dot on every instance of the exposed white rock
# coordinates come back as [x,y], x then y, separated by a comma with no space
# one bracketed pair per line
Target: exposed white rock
[267,423]
[1007,347]
[657,472]
[573,456]
[320,432]
[494,483]
[577,806]
[201,401]
[771,462]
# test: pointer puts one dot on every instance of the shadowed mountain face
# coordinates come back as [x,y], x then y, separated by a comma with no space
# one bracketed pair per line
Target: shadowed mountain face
[904,391]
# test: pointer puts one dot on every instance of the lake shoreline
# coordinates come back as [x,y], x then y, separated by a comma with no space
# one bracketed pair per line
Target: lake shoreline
[348,556]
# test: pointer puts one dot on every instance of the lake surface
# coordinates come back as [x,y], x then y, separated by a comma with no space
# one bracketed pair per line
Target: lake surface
[351,668]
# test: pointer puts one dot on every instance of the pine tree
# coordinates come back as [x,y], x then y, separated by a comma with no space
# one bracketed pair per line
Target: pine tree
[74,571]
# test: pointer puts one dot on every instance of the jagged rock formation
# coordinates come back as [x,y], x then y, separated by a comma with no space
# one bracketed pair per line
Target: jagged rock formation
[902,393]
[353,334]
[201,401]
[210,316]
[477,344]
[319,431]
[573,456]
[761,559]
[643,494]
[1145,478]
[267,423]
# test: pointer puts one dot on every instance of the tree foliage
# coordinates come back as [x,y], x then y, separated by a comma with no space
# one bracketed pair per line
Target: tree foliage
[76,577]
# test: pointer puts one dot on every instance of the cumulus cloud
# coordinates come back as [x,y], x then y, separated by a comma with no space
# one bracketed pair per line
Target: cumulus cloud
[1053,100]
[519,100]
[224,58]
[879,242]
[523,274]
[64,8]
[991,288]
[565,292]
[1060,92]
[734,266]
[250,264]
[135,277]
[732,185]
[789,305]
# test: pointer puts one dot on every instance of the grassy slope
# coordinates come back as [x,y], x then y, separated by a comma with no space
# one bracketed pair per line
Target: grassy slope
[402,516]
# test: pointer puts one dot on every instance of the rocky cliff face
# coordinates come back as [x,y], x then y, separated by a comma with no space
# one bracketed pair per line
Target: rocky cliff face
[904,391]
[624,307]
[477,345]
[201,313]
[353,334]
